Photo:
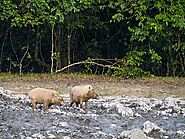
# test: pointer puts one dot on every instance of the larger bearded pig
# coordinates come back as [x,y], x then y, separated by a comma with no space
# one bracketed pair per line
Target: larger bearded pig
[45,96]
[82,93]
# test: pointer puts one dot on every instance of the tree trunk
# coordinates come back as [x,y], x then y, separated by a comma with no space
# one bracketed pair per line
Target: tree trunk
[58,47]
[69,33]
[25,53]
[52,49]
[38,57]
[36,54]
[2,49]
[108,45]
[168,62]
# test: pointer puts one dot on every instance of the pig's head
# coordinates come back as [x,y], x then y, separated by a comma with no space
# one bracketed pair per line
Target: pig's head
[92,94]
[57,100]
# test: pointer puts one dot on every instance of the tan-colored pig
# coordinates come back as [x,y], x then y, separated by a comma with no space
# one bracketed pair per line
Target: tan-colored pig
[82,93]
[45,96]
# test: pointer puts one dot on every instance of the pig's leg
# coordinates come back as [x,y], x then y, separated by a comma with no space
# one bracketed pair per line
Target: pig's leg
[33,104]
[45,105]
[71,103]
[77,104]
[81,102]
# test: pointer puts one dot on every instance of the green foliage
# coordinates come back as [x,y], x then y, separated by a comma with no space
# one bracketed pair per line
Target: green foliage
[155,58]
[117,17]
[130,66]
[8,9]
[134,58]
[88,66]
[142,25]
[56,55]
[158,24]
[98,29]
[127,72]
[37,12]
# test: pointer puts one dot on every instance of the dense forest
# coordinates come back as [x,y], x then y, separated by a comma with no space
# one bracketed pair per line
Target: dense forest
[127,38]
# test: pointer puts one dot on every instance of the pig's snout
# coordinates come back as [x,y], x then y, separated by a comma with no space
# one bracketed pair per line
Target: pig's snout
[98,97]
[61,101]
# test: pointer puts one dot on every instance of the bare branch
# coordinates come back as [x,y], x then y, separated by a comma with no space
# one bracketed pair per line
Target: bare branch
[83,62]
[106,60]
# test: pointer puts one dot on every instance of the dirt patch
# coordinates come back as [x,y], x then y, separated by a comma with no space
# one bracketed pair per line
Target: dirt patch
[105,86]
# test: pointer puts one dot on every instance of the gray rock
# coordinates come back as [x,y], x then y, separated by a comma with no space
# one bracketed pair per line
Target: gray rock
[63,124]
[176,109]
[66,137]
[124,111]
[137,115]
[133,134]
[51,136]
[28,138]
[58,111]
[38,135]
[170,101]
[149,127]
[180,133]
[120,108]
[157,103]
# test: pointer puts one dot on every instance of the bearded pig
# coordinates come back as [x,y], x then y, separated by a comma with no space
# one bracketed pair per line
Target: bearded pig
[82,93]
[45,96]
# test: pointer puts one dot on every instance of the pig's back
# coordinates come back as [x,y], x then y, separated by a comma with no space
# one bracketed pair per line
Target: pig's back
[80,90]
[40,93]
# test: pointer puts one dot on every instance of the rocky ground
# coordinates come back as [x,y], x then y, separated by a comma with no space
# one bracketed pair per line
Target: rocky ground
[111,117]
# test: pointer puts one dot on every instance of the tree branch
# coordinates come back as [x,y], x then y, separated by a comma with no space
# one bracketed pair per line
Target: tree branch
[83,62]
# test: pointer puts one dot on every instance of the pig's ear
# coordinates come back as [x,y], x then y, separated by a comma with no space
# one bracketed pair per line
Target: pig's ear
[90,87]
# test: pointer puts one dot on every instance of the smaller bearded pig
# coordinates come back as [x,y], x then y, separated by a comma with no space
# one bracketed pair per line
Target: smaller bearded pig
[82,93]
[46,97]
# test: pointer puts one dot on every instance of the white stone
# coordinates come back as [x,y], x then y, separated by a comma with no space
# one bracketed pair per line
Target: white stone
[183,110]
[58,111]
[170,101]
[99,133]
[113,125]
[134,134]
[144,104]
[38,135]
[66,137]
[124,111]
[180,132]
[156,103]
[29,138]
[51,136]
[137,115]
[60,131]
[165,117]
[1,89]
[149,127]
[63,124]
[177,109]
